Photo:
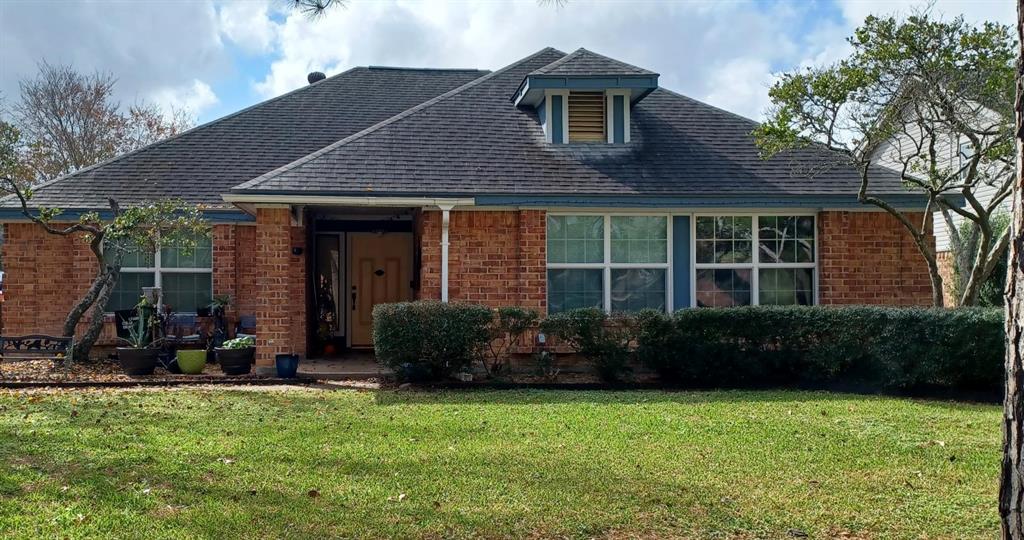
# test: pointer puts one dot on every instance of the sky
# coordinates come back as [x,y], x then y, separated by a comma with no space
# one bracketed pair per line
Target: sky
[214,57]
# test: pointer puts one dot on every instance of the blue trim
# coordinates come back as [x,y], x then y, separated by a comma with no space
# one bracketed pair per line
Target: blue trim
[680,262]
[618,120]
[531,90]
[213,216]
[909,201]
[556,120]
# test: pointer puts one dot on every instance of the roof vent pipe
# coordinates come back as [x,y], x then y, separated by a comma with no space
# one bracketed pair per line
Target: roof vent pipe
[315,76]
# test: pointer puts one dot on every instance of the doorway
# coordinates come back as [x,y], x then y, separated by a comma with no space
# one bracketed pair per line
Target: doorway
[358,263]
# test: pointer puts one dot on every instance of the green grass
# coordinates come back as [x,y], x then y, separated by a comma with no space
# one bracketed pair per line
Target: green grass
[508,464]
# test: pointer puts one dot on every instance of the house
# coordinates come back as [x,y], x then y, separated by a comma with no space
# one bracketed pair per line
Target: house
[559,181]
[908,148]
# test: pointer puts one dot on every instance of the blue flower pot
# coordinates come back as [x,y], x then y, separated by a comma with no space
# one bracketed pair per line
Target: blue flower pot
[287,365]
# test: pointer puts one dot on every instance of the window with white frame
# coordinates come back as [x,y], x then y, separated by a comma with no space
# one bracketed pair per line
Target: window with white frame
[964,155]
[613,262]
[185,279]
[731,272]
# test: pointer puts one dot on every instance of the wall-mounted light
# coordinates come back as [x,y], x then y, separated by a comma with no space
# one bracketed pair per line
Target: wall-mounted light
[296,251]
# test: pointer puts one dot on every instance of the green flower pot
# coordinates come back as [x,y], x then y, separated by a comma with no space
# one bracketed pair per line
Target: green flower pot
[192,361]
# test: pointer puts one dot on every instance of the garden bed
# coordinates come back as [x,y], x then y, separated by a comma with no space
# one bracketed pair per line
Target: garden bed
[105,372]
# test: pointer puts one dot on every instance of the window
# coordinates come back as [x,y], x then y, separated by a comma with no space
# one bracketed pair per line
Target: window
[186,280]
[587,117]
[617,263]
[964,155]
[730,272]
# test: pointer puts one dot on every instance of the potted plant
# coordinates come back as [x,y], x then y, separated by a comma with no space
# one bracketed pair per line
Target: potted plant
[236,355]
[191,361]
[139,356]
[287,365]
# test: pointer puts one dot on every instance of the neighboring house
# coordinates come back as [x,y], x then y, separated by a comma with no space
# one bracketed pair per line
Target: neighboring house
[559,181]
[953,152]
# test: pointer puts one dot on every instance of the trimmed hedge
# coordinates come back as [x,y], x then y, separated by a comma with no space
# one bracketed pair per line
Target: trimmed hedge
[428,340]
[857,348]
[602,339]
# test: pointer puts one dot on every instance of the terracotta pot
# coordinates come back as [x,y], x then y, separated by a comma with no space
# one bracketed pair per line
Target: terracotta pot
[236,361]
[137,361]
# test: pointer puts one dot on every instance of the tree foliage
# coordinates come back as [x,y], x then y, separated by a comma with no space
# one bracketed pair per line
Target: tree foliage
[70,120]
[145,227]
[902,102]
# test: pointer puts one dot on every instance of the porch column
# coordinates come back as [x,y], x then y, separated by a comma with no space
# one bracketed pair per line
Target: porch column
[273,250]
[445,218]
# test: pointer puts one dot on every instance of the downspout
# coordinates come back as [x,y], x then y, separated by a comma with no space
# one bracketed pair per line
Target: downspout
[445,218]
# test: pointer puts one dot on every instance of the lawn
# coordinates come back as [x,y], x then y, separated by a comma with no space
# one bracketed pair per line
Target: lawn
[507,464]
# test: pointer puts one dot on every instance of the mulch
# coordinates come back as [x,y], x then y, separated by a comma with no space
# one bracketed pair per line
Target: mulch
[45,372]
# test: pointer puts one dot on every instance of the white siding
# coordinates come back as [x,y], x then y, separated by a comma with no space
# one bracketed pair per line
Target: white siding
[889,154]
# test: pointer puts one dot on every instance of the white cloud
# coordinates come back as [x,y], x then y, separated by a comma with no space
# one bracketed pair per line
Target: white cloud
[248,24]
[194,98]
[741,85]
[690,44]
[148,46]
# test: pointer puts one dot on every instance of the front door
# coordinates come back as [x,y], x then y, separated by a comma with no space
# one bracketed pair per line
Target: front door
[381,272]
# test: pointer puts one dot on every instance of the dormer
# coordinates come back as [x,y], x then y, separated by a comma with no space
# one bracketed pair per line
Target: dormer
[585,97]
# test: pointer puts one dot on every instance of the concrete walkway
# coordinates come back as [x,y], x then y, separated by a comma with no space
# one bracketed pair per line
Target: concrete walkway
[352,366]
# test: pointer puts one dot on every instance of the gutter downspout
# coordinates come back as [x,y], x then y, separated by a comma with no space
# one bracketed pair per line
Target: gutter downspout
[445,219]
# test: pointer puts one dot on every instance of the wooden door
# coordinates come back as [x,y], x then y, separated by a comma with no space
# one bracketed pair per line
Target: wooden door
[381,272]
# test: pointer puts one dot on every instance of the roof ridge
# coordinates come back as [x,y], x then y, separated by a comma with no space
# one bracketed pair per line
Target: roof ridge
[580,52]
[405,68]
[384,123]
[176,136]
[710,106]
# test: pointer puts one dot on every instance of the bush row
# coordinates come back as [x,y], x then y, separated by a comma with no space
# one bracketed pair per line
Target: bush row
[857,348]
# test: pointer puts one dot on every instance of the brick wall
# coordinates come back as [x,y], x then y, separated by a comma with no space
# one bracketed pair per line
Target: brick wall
[46,274]
[870,258]
[496,258]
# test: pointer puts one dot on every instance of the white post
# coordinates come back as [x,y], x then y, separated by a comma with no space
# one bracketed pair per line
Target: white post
[445,217]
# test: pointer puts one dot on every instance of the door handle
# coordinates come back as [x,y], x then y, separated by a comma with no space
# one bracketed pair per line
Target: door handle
[353,298]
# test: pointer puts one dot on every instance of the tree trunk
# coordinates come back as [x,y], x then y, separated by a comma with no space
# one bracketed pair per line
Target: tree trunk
[84,345]
[84,303]
[1011,481]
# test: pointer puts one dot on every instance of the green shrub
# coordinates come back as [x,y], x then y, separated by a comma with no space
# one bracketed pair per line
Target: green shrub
[505,331]
[429,340]
[600,338]
[857,348]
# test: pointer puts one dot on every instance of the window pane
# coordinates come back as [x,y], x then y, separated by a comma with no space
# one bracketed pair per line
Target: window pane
[723,287]
[575,288]
[133,257]
[129,289]
[575,239]
[638,288]
[786,239]
[724,240]
[639,239]
[186,292]
[200,257]
[786,286]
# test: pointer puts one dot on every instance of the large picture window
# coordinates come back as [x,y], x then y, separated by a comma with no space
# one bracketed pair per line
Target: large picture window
[185,279]
[731,272]
[617,263]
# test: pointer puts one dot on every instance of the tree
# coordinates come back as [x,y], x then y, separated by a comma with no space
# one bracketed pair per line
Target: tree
[1011,479]
[144,227]
[900,103]
[69,120]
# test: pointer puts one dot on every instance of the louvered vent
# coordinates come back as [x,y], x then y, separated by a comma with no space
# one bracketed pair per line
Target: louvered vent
[586,117]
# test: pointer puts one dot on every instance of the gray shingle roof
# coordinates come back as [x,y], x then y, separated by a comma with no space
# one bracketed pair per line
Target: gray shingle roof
[587,63]
[203,163]
[473,141]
